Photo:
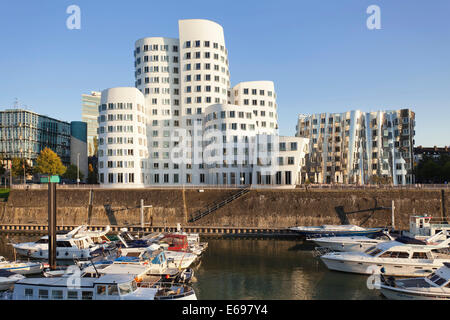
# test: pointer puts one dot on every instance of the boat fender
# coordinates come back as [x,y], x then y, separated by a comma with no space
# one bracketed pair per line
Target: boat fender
[67,253]
[82,255]
[40,253]
[29,253]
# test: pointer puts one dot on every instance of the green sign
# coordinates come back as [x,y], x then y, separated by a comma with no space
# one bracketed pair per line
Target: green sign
[54,179]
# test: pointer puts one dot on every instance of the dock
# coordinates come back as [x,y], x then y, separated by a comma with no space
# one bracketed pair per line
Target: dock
[204,231]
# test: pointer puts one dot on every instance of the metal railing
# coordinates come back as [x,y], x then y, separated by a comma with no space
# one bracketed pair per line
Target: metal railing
[237,187]
[374,187]
[210,208]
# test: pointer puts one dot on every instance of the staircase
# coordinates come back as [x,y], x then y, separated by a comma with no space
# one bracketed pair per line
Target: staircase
[210,208]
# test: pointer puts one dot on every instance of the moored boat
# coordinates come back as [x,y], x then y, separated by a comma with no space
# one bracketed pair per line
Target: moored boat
[393,258]
[335,231]
[107,287]
[21,267]
[436,286]
[8,279]
[77,244]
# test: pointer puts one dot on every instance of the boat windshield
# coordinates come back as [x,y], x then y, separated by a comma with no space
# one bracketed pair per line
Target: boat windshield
[436,279]
[374,252]
[370,249]
[126,288]
[63,244]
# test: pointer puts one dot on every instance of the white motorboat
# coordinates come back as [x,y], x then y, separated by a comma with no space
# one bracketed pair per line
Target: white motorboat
[335,231]
[348,244]
[77,244]
[156,261]
[8,279]
[20,267]
[436,286]
[176,259]
[393,258]
[361,244]
[107,287]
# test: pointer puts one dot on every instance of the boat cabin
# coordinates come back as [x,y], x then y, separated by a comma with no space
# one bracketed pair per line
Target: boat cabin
[156,260]
[175,242]
[394,249]
[439,279]
[108,287]
[425,226]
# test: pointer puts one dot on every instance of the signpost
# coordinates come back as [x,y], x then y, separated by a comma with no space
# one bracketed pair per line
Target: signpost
[52,181]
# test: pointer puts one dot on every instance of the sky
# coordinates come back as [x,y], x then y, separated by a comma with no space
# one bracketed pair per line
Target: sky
[321,55]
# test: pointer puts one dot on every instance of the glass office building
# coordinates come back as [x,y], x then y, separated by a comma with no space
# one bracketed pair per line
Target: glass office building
[89,114]
[24,134]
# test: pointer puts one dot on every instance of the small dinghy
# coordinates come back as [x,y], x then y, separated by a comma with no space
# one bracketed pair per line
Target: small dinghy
[8,279]
[20,267]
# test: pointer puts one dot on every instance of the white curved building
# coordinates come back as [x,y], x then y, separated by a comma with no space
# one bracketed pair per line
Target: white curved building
[260,97]
[122,138]
[199,130]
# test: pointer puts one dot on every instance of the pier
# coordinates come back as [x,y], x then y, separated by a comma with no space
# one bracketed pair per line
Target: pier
[204,231]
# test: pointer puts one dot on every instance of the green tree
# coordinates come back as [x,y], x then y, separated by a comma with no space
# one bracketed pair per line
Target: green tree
[431,171]
[71,173]
[49,163]
[446,172]
[18,166]
[92,175]
[2,167]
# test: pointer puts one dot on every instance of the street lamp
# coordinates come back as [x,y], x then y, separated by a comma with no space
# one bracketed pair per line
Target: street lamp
[78,169]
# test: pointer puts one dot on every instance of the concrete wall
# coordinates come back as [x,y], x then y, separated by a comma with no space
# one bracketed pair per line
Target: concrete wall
[265,208]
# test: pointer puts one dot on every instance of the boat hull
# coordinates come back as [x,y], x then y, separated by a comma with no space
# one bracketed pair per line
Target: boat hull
[345,247]
[399,294]
[34,268]
[336,233]
[61,254]
[368,267]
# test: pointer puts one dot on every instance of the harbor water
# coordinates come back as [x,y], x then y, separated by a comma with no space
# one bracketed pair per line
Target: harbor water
[259,269]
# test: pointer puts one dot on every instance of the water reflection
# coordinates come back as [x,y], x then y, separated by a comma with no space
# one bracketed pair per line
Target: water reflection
[273,270]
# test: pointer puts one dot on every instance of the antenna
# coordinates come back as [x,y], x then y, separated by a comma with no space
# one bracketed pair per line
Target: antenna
[16,103]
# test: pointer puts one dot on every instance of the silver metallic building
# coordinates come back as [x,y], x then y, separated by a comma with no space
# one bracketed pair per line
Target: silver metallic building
[358,147]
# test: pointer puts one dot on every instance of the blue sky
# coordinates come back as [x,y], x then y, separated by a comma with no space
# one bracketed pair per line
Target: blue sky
[320,54]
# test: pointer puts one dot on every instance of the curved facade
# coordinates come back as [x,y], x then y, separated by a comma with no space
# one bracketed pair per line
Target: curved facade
[157,73]
[229,139]
[198,129]
[358,147]
[122,138]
